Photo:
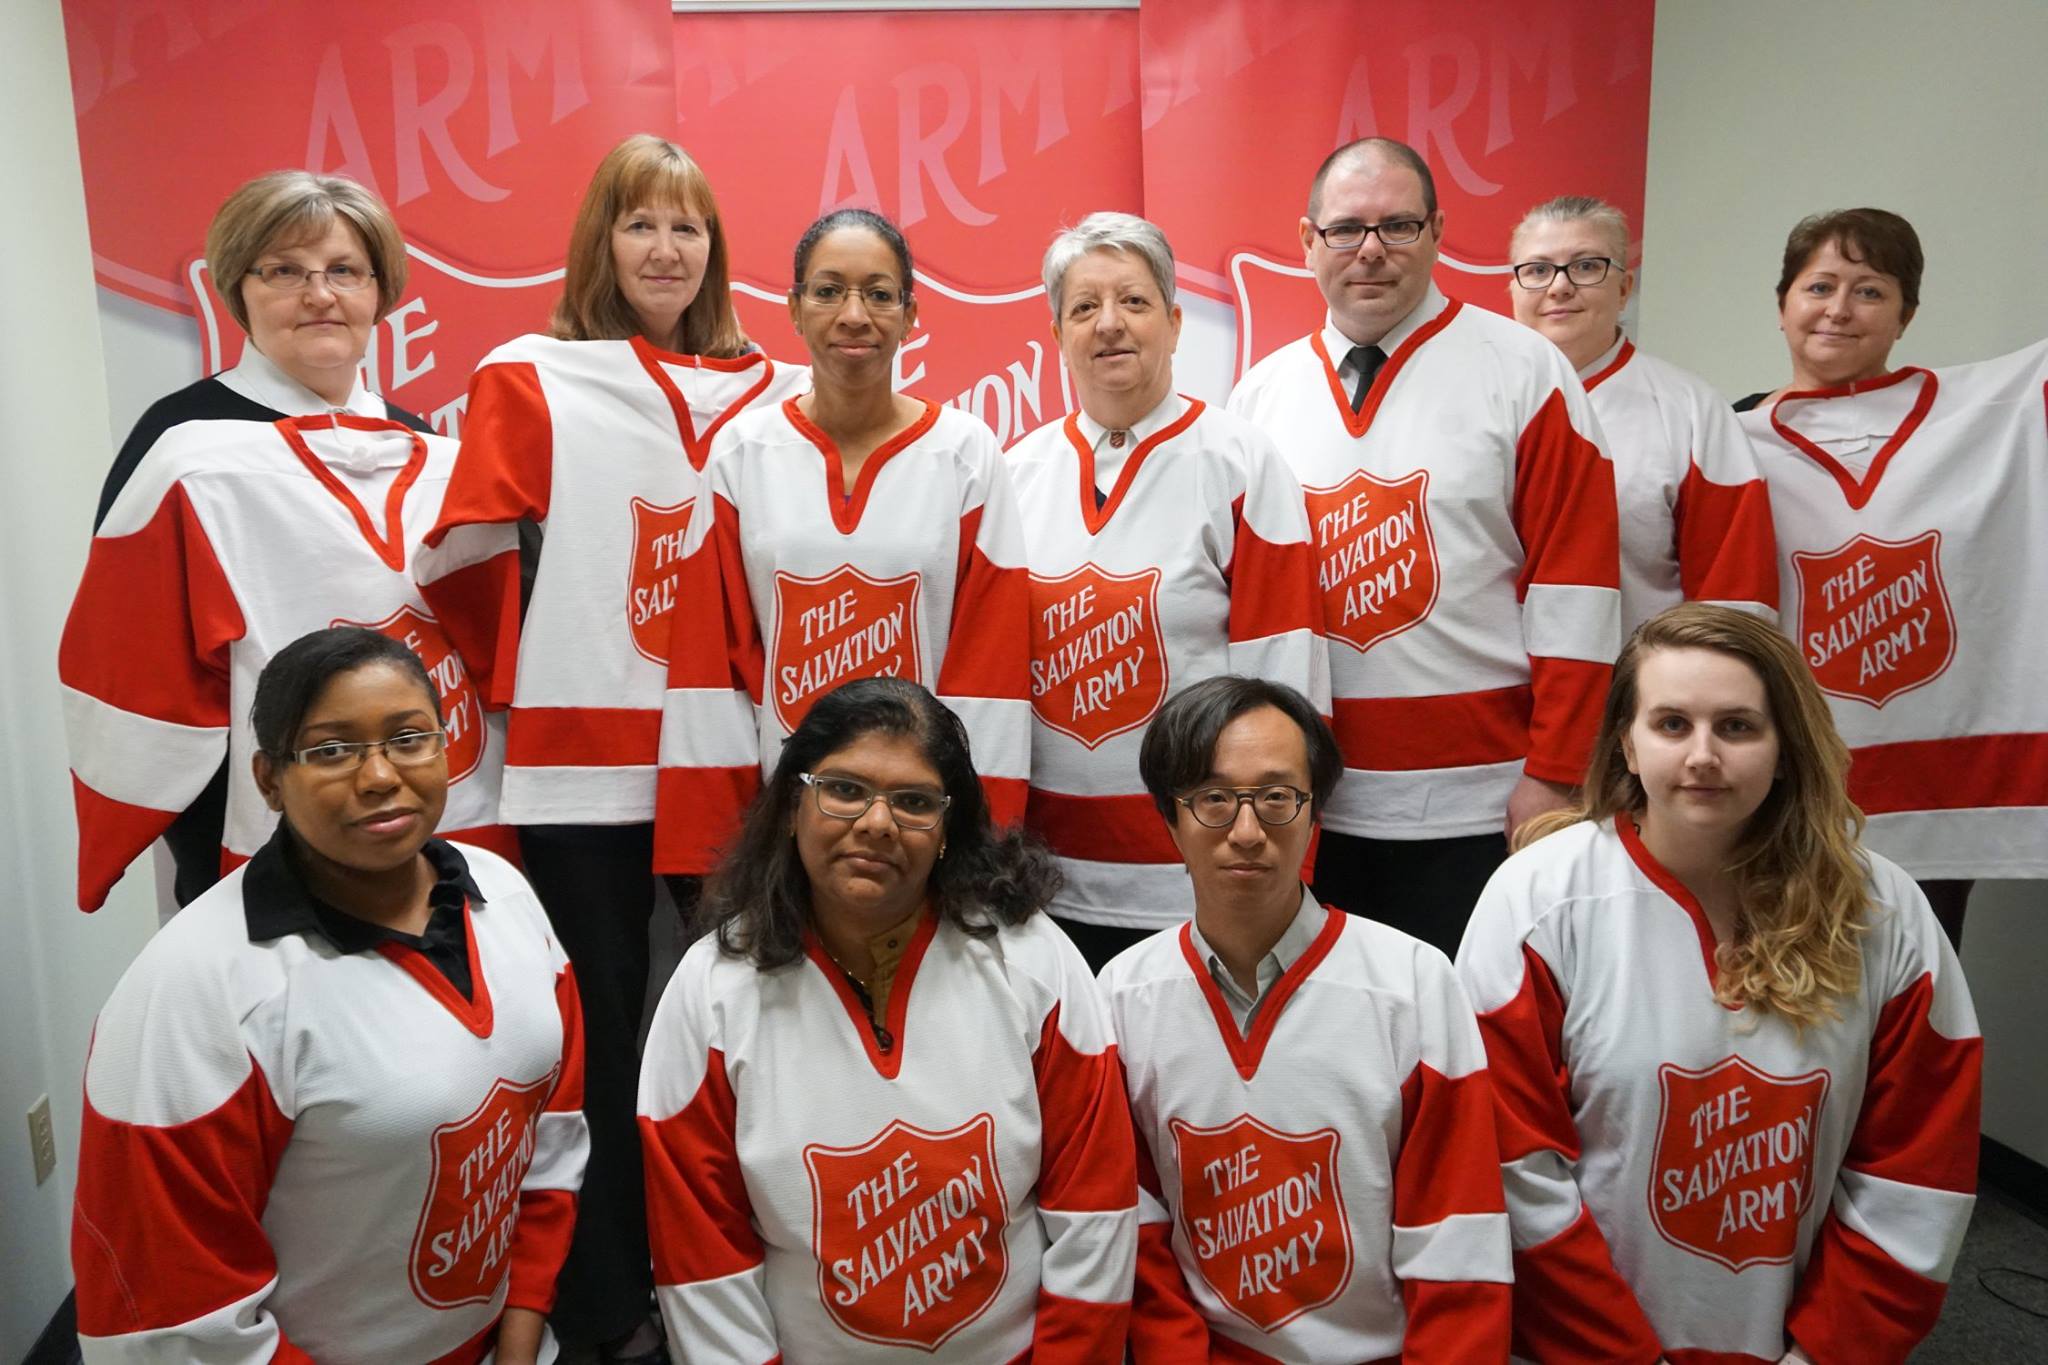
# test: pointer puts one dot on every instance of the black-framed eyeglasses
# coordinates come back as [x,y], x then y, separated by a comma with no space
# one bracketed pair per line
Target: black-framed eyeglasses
[848,798]
[290,279]
[1585,272]
[831,295]
[1351,236]
[405,749]
[1217,807]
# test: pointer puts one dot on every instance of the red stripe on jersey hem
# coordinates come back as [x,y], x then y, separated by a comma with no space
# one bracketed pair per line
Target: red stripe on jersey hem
[1422,734]
[1662,878]
[390,546]
[698,447]
[1101,829]
[476,1013]
[582,737]
[1247,1052]
[1360,422]
[845,507]
[1615,366]
[886,1064]
[1963,773]
[1093,517]
[1679,1355]
[475,1349]
[1858,491]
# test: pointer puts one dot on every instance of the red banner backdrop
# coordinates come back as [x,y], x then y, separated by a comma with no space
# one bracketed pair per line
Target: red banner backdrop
[1510,101]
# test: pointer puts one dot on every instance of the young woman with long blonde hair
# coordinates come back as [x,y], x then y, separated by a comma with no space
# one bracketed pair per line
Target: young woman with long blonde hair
[1736,1064]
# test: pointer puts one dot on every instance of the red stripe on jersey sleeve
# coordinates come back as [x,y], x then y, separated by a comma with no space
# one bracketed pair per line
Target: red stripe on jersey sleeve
[1564,717]
[1564,504]
[111,835]
[1166,1327]
[697,812]
[1272,586]
[1963,773]
[988,643]
[699,1219]
[1922,1101]
[1454,1322]
[1727,549]
[547,1217]
[1856,1303]
[1525,1066]
[167,1223]
[1571,1304]
[1682,1356]
[1088,1163]
[1416,734]
[1006,797]
[582,737]
[1077,1331]
[1102,829]
[478,606]
[505,470]
[714,638]
[1450,1157]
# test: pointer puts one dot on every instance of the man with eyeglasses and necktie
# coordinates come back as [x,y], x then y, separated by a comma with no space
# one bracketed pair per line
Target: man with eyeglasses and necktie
[1463,511]
[1695,516]
[1308,1088]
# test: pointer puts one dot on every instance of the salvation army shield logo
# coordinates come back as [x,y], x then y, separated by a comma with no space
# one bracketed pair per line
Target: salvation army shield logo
[1733,1172]
[1377,559]
[908,1230]
[461,1247]
[1874,616]
[651,584]
[835,628]
[1264,1216]
[462,711]
[1098,664]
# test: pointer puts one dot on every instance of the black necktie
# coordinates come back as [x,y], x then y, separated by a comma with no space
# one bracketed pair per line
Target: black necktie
[1367,361]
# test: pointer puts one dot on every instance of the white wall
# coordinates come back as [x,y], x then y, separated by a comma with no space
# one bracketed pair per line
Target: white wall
[1762,112]
[56,965]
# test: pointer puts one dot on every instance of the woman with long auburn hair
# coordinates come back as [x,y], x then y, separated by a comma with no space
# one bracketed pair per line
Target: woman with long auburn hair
[1737,1067]
[593,439]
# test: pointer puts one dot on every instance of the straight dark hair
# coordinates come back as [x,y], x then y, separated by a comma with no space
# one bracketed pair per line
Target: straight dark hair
[1180,743]
[868,221]
[759,900]
[296,675]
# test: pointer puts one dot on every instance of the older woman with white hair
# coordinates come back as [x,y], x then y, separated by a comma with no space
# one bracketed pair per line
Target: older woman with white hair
[1167,542]
[1695,516]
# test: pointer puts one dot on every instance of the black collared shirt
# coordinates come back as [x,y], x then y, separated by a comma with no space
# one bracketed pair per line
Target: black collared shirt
[276,901]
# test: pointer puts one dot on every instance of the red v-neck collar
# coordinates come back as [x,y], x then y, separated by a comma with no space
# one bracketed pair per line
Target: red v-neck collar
[698,447]
[390,546]
[475,1014]
[846,509]
[1358,423]
[886,1064]
[1095,518]
[1614,366]
[1247,1052]
[1859,491]
[1661,877]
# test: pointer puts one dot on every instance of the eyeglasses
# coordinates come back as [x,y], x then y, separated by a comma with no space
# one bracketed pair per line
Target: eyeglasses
[1584,272]
[406,749]
[831,295]
[846,798]
[1217,807]
[290,279]
[1351,236]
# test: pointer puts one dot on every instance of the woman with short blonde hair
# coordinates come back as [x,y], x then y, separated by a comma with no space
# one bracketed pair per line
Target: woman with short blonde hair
[1737,1068]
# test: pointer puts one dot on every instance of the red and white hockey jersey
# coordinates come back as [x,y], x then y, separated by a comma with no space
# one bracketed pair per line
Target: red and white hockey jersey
[964,1197]
[294,1153]
[602,443]
[1466,525]
[1695,515]
[1913,552]
[1327,1187]
[1703,1183]
[793,584]
[230,541]
[1196,563]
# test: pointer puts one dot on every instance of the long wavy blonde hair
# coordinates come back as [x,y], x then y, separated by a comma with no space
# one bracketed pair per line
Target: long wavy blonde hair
[1799,873]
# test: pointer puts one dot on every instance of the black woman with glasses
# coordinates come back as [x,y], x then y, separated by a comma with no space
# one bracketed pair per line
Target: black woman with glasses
[1308,1087]
[1695,516]
[275,498]
[334,1109]
[851,532]
[880,1107]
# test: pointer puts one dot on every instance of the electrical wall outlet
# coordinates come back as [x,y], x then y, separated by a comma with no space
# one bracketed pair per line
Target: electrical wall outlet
[42,1140]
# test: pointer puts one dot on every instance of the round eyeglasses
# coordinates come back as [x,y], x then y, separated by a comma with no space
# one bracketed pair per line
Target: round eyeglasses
[1217,807]
[847,798]
[1583,273]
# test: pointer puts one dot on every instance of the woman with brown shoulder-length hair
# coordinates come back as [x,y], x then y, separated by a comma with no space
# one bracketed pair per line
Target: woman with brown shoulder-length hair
[593,437]
[1737,1068]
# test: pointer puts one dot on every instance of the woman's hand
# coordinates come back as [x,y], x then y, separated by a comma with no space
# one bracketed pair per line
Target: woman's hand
[519,1334]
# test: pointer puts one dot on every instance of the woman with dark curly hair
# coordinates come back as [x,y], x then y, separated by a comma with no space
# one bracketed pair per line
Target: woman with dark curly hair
[880,1106]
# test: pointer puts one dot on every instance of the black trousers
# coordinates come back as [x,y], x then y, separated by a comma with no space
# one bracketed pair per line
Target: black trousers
[1426,888]
[1100,942]
[597,884]
[1949,899]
